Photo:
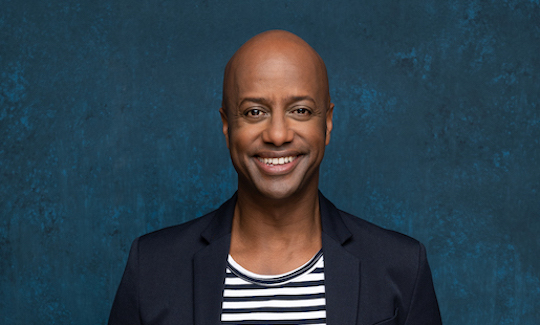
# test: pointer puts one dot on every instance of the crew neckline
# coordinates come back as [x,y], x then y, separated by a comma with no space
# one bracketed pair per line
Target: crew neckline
[275,279]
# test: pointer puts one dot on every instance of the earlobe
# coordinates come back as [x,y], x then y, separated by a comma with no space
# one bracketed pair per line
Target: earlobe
[225,122]
[329,123]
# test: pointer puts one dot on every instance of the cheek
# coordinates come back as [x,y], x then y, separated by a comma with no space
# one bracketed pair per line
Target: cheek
[242,139]
[315,134]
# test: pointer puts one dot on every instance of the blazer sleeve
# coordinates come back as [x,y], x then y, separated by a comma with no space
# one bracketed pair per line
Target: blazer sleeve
[125,308]
[423,309]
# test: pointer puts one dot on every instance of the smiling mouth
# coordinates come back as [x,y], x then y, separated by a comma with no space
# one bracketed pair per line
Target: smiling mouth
[277,161]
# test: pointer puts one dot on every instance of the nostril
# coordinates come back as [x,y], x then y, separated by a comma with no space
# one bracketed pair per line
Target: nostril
[278,136]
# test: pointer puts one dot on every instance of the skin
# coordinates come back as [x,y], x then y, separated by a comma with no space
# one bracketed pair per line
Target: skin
[276,104]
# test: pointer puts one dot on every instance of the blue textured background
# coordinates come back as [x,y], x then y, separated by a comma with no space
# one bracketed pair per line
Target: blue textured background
[109,129]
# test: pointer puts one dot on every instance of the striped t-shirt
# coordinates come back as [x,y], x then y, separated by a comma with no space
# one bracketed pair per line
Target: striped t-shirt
[295,297]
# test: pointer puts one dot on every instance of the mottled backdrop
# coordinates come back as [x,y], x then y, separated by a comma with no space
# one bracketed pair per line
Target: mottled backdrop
[109,128]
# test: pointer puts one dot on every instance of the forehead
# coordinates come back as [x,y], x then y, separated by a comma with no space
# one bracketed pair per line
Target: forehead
[274,75]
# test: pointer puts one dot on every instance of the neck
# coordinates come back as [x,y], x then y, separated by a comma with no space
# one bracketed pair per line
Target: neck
[275,236]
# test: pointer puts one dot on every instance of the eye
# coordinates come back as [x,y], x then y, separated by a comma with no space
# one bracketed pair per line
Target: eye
[254,112]
[302,111]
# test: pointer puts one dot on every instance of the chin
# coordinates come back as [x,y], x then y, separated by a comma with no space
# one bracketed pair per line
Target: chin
[278,192]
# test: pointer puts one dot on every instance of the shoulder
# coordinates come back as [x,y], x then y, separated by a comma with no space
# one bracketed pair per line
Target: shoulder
[369,232]
[186,236]
[182,241]
[375,244]
[394,272]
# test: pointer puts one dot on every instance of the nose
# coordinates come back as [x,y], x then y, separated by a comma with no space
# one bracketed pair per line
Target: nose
[277,131]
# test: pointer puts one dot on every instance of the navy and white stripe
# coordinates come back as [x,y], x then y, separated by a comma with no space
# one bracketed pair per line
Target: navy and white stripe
[296,297]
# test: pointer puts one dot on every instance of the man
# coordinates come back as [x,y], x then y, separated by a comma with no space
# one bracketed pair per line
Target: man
[278,252]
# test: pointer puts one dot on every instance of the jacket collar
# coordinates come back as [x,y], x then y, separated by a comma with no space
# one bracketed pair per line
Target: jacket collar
[221,223]
[342,269]
[332,223]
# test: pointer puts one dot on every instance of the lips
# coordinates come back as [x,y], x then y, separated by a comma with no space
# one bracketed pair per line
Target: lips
[275,161]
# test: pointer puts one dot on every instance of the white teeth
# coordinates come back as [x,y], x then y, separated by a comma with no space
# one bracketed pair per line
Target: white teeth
[277,161]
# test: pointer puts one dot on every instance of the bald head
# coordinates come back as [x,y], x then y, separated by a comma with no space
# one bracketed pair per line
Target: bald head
[277,116]
[275,46]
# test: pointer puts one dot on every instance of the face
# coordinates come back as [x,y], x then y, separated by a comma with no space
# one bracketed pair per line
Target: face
[277,124]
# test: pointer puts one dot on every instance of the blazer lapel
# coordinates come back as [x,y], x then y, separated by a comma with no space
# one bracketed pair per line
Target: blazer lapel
[209,266]
[341,269]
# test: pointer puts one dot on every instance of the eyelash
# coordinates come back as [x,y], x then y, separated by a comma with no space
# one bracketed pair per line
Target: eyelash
[303,111]
[306,111]
[251,111]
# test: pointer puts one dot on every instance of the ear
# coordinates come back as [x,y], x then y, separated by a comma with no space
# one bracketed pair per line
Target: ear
[329,125]
[225,122]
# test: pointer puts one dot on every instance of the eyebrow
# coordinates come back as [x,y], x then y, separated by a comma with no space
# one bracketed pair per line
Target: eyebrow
[263,101]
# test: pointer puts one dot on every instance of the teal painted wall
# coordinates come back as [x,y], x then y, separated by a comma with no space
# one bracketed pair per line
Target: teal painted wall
[109,128]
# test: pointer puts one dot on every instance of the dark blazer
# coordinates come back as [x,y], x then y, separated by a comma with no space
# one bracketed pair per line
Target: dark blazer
[372,275]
